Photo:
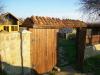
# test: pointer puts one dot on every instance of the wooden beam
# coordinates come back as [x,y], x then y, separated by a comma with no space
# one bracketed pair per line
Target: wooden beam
[81,41]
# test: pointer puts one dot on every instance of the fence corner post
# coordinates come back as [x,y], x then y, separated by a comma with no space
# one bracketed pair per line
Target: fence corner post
[81,41]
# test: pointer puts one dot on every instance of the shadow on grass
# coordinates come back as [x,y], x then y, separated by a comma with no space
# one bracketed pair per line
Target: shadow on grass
[8,69]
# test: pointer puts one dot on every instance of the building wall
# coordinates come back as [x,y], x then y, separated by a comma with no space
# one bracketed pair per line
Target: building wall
[15,52]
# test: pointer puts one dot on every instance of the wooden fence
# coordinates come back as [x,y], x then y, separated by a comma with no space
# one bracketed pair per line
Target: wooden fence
[43,49]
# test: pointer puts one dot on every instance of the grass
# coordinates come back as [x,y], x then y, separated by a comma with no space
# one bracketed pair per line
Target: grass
[3,73]
[92,64]
[69,48]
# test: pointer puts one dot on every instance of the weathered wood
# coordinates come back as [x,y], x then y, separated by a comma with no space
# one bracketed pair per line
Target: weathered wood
[81,37]
[43,49]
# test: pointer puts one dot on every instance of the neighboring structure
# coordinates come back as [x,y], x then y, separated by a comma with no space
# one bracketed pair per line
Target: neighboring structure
[9,22]
[93,34]
[92,40]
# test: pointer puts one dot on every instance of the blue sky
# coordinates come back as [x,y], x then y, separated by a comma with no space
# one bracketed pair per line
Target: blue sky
[55,8]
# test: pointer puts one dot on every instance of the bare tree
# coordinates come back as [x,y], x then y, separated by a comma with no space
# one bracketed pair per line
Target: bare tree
[91,7]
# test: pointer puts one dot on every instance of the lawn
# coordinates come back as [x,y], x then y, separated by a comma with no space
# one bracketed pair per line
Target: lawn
[91,65]
[69,50]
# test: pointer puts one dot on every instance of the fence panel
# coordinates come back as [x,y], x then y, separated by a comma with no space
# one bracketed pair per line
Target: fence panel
[43,49]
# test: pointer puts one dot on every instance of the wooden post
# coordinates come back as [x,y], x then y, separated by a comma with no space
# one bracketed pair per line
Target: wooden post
[10,29]
[81,41]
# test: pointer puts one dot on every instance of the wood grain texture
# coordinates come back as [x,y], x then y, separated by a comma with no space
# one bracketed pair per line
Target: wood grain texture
[43,49]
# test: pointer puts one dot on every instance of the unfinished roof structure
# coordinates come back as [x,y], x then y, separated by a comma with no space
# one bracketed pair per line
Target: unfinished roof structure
[48,22]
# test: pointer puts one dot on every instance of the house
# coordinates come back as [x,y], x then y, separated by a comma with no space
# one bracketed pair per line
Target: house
[8,22]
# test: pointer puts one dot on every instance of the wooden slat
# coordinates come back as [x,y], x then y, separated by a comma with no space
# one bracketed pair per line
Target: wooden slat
[42,50]
[33,44]
[55,46]
[49,48]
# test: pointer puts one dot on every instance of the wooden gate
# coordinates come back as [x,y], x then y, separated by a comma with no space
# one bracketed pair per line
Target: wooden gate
[43,49]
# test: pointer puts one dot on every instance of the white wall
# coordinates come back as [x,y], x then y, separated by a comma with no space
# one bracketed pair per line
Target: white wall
[10,51]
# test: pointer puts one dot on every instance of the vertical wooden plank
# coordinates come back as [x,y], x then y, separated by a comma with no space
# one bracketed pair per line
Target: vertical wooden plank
[55,46]
[42,49]
[37,51]
[34,48]
[31,47]
[49,48]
